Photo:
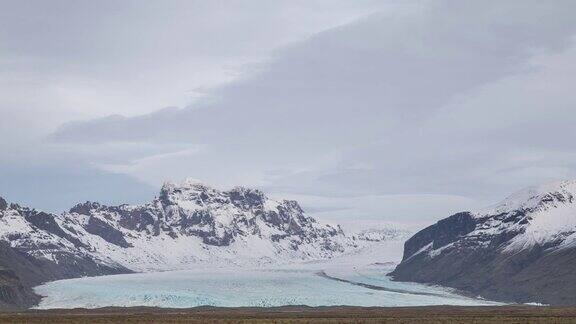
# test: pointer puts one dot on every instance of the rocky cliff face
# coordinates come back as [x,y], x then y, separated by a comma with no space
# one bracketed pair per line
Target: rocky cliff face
[200,225]
[188,225]
[34,249]
[522,249]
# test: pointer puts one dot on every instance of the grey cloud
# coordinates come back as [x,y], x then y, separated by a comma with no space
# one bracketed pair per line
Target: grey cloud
[67,60]
[64,60]
[361,80]
[451,99]
[382,91]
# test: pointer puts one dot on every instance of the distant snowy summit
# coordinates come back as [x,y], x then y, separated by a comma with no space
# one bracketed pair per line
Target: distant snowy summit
[522,249]
[192,223]
[189,224]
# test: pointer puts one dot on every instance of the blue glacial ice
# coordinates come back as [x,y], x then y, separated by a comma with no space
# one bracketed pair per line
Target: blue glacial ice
[341,285]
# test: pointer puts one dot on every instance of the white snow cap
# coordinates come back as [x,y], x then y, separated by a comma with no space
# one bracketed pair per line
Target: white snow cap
[186,183]
[550,214]
[533,197]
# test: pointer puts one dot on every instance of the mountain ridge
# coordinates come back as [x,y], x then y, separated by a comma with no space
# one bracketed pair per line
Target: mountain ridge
[522,249]
[189,224]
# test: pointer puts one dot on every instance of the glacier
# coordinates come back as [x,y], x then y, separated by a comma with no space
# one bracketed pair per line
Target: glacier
[360,282]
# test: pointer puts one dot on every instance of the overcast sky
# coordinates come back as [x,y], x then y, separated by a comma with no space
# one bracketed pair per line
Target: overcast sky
[364,111]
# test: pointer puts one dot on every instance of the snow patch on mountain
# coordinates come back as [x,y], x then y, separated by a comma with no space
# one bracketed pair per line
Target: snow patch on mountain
[543,215]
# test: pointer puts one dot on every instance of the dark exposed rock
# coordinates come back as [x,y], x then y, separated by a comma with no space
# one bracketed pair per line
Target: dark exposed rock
[16,291]
[473,254]
[22,266]
[164,197]
[85,208]
[138,219]
[278,237]
[3,204]
[199,217]
[19,272]
[47,223]
[213,239]
[442,233]
[528,276]
[247,198]
[110,234]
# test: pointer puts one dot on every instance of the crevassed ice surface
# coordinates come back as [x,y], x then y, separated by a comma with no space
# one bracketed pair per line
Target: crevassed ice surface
[360,283]
[229,288]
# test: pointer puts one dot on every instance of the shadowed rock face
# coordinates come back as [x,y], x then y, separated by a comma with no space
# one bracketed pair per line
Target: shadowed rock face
[16,291]
[3,204]
[106,231]
[138,219]
[46,222]
[442,233]
[85,208]
[501,253]
[20,272]
[246,198]
[38,250]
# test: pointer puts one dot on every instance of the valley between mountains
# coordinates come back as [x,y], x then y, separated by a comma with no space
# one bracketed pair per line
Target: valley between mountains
[188,225]
[521,250]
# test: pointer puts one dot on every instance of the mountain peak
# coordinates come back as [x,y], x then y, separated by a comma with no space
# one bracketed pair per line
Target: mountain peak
[187,190]
[536,197]
[3,204]
[190,223]
[530,234]
[188,183]
[85,208]
[191,193]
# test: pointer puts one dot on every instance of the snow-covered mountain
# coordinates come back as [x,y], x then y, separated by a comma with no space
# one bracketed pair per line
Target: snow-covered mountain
[188,225]
[35,248]
[193,224]
[521,249]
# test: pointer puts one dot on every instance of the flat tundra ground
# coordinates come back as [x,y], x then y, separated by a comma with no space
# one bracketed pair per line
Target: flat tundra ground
[300,314]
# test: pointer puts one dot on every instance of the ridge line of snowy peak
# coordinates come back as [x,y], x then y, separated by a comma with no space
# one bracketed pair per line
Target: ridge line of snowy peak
[543,216]
[216,216]
[522,249]
[187,224]
[535,198]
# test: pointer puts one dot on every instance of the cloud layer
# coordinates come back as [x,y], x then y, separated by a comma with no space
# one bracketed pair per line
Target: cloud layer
[69,60]
[438,104]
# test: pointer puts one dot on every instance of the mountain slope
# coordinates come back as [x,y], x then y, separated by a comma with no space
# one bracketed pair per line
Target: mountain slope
[188,225]
[200,225]
[522,249]
[35,249]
